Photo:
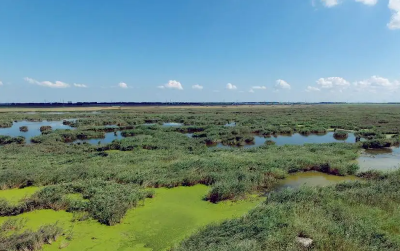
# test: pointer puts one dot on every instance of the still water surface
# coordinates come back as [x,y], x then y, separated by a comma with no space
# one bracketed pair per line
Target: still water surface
[295,139]
[33,128]
[108,138]
[386,159]
[312,179]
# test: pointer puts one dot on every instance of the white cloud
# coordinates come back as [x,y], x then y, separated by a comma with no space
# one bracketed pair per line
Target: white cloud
[394,23]
[57,84]
[311,89]
[230,86]
[282,84]
[197,87]
[251,91]
[80,85]
[330,3]
[368,2]
[1,83]
[333,3]
[376,83]
[123,85]
[259,87]
[172,84]
[333,82]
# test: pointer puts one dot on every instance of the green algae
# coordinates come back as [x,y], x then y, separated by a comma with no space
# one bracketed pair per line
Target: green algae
[14,196]
[162,222]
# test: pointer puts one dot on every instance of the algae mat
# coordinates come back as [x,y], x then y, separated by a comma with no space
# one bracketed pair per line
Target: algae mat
[13,196]
[163,221]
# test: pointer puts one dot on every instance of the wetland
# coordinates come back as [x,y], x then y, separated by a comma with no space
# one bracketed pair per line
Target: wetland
[199,178]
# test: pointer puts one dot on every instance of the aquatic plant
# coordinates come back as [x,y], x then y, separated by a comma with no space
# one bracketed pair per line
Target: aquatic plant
[340,135]
[45,129]
[23,128]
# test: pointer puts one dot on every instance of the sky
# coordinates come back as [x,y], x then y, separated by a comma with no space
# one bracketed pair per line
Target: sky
[200,50]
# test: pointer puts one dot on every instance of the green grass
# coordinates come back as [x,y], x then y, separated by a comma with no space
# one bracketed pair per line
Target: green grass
[163,221]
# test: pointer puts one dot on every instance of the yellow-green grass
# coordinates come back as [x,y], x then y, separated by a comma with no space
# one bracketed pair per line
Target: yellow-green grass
[162,222]
[14,196]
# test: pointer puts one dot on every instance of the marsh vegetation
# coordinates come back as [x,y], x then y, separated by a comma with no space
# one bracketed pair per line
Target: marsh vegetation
[100,167]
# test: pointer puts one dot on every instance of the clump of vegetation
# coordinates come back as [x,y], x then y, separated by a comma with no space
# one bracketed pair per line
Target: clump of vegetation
[340,135]
[6,123]
[269,142]
[28,240]
[106,202]
[23,128]
[379,143]
[45,129]
[5,140]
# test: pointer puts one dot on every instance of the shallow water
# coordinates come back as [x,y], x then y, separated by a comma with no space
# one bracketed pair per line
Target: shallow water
[33,128]
[294,139]
[108,138]
[231,124]
[170,124]
[298,139]
[312,179]
[386,159]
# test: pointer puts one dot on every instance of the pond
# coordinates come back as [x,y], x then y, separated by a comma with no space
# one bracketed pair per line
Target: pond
[386,159]
[294,139]
[108,138]
[33,128]
[312,179]
[298,139]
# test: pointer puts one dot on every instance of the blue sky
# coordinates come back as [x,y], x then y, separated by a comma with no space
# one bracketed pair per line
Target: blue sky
[200,50]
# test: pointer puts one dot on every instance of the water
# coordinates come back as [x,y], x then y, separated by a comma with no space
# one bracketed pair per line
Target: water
[298,139]
[170,124]
[231,124]
[312,179]
[189,135]
[33,128]
[294,139]
[108,138]
[386,159]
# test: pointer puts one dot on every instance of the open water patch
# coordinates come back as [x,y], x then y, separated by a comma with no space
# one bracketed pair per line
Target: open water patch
[33,128]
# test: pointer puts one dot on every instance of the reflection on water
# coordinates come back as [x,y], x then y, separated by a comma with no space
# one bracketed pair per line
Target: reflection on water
[385,159]
[169,124]
[33,128]
[108,138]
[294,139]
[312,179]
[298,139]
